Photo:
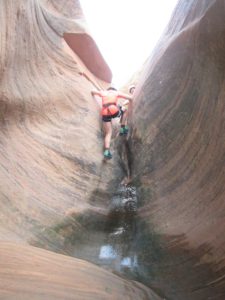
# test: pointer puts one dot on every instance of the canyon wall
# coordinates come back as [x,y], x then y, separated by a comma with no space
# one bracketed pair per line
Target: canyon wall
[51,138]
[53,180]
[43,275]
[54,185]
[179,155]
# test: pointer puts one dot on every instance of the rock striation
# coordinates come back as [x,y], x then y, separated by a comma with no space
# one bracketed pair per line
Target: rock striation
[52,177]
[51,139]
[55,189]
[30,273]
[178,155]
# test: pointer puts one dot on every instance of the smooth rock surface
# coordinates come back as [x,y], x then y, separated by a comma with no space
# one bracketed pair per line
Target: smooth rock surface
[54,185]
[53,181]
[30,273]
[179,155]
[50,139]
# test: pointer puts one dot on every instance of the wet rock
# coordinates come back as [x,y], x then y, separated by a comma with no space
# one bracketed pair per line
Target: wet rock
[178,150]
[32,273]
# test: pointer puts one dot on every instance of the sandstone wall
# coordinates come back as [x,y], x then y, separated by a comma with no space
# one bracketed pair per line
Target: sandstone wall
[53,179]
[31,273]
[179,151]
[51,138]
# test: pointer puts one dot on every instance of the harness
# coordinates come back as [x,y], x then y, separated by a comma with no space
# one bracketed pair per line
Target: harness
[109,104]
[109,109]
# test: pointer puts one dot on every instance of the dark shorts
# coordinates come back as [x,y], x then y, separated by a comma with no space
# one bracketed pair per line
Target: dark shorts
[108,118]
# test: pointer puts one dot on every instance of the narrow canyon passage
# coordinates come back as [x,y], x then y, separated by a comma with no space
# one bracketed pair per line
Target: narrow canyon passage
[110,243]
[165,229]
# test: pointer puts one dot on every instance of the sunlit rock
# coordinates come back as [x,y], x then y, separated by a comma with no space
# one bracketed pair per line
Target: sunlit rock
[51,164]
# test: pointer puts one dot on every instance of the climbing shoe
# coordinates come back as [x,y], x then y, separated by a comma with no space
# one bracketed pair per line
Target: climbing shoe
[107,154]
[124,130]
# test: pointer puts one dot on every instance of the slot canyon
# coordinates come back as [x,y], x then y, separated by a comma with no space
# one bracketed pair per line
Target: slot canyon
[70,228]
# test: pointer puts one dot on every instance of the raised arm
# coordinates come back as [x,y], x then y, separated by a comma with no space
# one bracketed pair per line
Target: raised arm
[125,96]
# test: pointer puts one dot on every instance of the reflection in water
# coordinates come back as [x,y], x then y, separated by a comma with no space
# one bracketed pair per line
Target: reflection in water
[121,229]
[114,246]
[107,252]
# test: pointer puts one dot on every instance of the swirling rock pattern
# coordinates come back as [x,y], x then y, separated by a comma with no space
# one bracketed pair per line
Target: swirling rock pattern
[50,139]
[52,178]
[179,154]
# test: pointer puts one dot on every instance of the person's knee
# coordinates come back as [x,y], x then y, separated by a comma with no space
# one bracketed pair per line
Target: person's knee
[107,128]
[108,133]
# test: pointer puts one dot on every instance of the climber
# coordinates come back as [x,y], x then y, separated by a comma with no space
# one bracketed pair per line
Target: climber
[110,110]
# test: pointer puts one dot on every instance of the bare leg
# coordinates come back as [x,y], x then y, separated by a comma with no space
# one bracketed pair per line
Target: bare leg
[123,120]
[107,126]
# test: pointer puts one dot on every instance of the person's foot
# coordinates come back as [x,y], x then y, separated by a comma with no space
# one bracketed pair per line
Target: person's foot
[124,130]
[107,154]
